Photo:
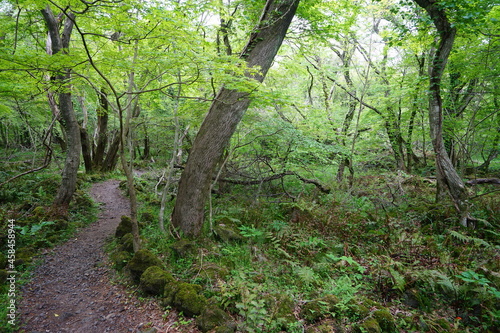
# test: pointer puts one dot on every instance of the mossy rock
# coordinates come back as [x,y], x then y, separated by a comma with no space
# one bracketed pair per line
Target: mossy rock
[228,232]
[154,279]
[124,227]
[141,260]
[370,325]
[184,248]
[281,308]
[319,308]
[120,259]
[212,317]
[188,300]
[169,291]
[385,320]
[127,243]
[147,217]
[357,309]
[185,297]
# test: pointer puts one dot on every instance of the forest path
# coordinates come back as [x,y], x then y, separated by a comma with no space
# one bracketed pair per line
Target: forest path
[72,290]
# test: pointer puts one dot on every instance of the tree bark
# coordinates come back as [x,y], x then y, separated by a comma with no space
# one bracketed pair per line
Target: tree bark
[224,115]
[86,149]
[59,42]
[102,131]
[346,57]
[411,158]
[447,176]
[111,158]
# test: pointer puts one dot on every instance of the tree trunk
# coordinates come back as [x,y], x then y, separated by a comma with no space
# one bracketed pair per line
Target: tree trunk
[392,126]
[411,158]
[495,147]
[56,43]
[86,149]
[146,150]
[352,104]
[223,117]
[447,176]
[72,163]
[102,131]
[111,158]
[459,97]
[85,138]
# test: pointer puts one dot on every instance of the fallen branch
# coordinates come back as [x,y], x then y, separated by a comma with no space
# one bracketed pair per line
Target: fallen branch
[47,159]
[315,183]
[258,181]
[278,176]
[478,181]
[46,163]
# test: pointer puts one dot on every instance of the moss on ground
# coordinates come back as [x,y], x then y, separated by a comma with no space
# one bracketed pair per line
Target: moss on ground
[369,325]
[119,259]
[385,320]
[141,260]
[124,227]
[212,317]
[319,308]
[154,279]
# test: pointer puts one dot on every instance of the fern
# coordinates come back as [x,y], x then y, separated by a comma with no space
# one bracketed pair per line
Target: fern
[306,274]
[435,279]
[461,237]
[398,279]
[468,239]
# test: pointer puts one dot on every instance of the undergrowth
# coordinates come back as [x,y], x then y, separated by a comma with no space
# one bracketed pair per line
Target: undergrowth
[376,247]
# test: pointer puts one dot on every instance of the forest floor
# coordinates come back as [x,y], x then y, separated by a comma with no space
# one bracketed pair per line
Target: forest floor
[74,289]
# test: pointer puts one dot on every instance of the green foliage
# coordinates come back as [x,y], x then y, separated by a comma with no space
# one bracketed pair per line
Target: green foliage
[376,235]
[32,230]
[468,239]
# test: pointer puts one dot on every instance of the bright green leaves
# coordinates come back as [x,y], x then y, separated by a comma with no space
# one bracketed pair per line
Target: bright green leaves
[328,18]
[467,14]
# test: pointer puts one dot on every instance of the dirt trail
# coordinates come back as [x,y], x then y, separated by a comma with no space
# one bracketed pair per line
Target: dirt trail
[72,290]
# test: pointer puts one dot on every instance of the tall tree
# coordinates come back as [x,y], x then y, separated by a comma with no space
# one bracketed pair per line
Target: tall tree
[58,42]
[224,115]
[448,178]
